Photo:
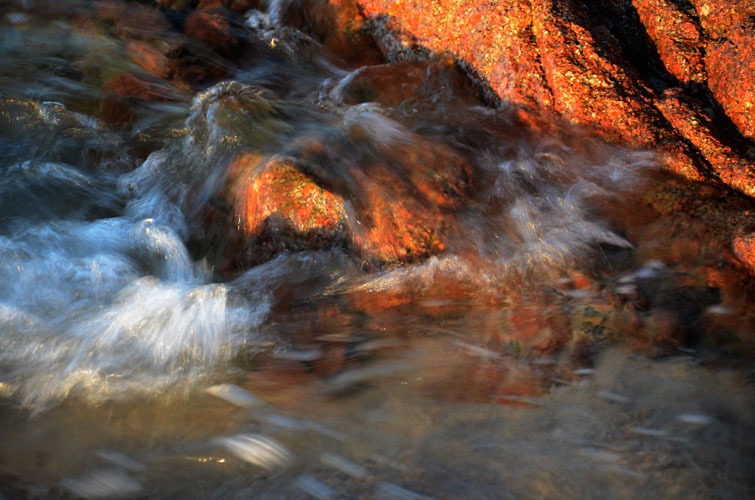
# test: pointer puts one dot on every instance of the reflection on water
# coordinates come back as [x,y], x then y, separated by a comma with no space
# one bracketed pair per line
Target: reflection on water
[475,309]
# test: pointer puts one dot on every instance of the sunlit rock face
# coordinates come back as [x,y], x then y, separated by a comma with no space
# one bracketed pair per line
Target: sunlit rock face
[606,66]
[280,208]
[391,200]
[733,83]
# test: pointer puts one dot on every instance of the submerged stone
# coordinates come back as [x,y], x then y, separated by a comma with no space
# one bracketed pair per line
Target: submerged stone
[235,114]
[213,25]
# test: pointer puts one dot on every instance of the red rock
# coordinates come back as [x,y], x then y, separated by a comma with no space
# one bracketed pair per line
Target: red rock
[407,220]
[731,75]
[719,16]
[214,26]
[495,39]
[120,92]
[698,127]
[400,209]
[589,84]
[556,58]
[676,37]
[395,226]
[539,55]
[402,84]
[386,84]
[149,58]
[133,20]
[276,202]
[744,249]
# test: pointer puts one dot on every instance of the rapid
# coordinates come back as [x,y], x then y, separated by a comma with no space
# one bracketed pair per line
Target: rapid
[491,309]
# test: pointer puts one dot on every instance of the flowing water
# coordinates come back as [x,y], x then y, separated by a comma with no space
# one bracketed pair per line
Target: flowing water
[564,342]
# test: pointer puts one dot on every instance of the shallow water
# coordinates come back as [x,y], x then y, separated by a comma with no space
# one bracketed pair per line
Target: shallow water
[566,341]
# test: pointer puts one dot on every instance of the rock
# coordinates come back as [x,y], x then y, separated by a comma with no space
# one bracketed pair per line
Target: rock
[121,92]
[583,68]
[400,208]
[496,40]
[676,37]
[717,17]
[743,247]
[560,59]
[149,58]
[396,226]
[213,25]
[133,21]
[731,72]
[231,113]
[406,201]
[281,208]
[698,128]
[405,86]
[389,85]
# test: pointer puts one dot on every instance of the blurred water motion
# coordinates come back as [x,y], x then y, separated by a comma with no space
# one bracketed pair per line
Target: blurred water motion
[441,303]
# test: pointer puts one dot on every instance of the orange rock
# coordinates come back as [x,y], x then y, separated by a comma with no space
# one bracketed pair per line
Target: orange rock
[590,84]
[556,57]
[743,247]
[698,127]
[386,84]
[719,16]
[149,58]
[403,215]
[731,74]
[133,20]
[214,26]
[122,91]
[274,195]
[676,37]
[394,225]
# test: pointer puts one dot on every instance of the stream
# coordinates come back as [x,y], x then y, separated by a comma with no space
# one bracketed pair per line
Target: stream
[554,336]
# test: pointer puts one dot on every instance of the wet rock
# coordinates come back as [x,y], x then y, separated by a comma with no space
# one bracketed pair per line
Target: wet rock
[397,209]
[233,114]
[496,41]
[744,249]
[406,202]
[406,86]
[560,58]
[387,84]
[149,58]
[123,91]
[313,17]
[396,226]
[676,36]
[731,72]
[281,208]
[131,20]
[215,26]
[285,41]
